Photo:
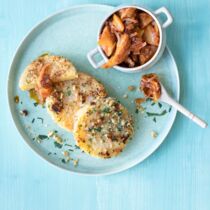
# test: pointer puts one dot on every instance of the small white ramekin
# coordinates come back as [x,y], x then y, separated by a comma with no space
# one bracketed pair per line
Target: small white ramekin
[162,26]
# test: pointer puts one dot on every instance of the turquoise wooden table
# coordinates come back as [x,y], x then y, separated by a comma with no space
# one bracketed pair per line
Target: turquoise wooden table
[175,177]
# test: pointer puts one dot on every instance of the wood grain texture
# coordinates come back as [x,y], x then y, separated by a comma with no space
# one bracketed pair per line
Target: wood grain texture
[176,176]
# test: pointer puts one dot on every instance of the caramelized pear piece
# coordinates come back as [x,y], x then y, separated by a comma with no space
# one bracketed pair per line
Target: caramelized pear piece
[130,62]
[107,41]
[150,86]
[151,36]
[145,19]
[155,27]
[44,85]
[146,53]
[117,23]
[127,13]
[121,52]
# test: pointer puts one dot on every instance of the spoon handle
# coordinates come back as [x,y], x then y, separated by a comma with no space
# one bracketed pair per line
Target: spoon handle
[187,113]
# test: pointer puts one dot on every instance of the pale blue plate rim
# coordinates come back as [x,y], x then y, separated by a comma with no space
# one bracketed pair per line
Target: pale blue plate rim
[36,150]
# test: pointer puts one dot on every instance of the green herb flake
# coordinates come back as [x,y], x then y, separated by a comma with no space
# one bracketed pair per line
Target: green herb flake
[69,145]
[63,160]
[44,54]
[58,145]
[160,105]
[71,150]
[154,119]
[42,137]
[36,104]
[136,111]
[76,147]
[98,129]
[153,103]
[49,153]
[106,110]
[151,114]
[40,118]
[169,110]
[33,120]
[68,93]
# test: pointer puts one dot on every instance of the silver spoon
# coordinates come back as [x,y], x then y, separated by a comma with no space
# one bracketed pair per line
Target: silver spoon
[167,99]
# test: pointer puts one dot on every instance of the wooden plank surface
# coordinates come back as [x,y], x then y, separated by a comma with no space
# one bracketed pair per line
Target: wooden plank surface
[175,177]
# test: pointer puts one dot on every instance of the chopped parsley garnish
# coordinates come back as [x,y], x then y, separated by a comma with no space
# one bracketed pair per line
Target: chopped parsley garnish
[169,108]
[153,103]
[136,111]
[33,120]
[76,147]
[68,145]
[40,118]
[154,119]
[42,137]
[119,127]
[119,113]
[58,145]
[36,104]
[160,105]
[98,129]
[44,54]
[71,150]
[106,110]
[151,114]
[68,92]
[63,160]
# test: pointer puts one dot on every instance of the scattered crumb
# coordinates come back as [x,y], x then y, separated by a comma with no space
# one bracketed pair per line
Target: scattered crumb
[131,88]
[57,138]
[16,99]
[50,134]
[154,134]
[139,101]
[66,153]
[75,162]
[24,112]
[125,96]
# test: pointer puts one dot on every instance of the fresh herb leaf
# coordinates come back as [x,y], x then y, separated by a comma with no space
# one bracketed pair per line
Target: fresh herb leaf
[154,119]
[153,103]
[119,113]
[43,54]
[76,147]
[151,114]
[63,160]
[160,105]
[68,93]
[106,110]
[40,118]
[58,145]
[71,150]
[169,108]
[68,145]
[33,120]
[36,104]
[49,153]
[136,111]
[98,129]
[42,137]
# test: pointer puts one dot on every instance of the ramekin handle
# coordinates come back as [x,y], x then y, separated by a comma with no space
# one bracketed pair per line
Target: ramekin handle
[91,57]
[168,15]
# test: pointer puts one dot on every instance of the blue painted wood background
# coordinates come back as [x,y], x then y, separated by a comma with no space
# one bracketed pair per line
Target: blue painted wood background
[175,177]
